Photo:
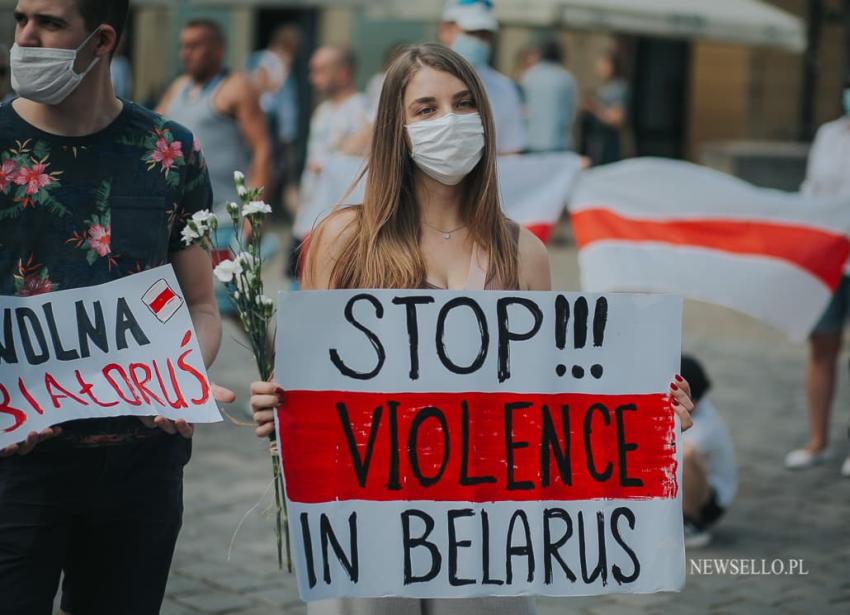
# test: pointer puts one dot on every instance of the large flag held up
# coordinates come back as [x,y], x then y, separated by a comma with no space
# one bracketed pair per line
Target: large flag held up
[534,190]
[673,227]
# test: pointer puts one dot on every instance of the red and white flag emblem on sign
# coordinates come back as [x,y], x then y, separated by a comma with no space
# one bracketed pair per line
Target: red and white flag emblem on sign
[673,227]
[162,300]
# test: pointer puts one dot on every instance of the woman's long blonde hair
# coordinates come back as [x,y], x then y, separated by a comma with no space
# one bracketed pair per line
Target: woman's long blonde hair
[383,249]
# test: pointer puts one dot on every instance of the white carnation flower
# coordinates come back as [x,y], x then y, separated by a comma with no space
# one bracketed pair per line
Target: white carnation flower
[203,217]
[256,207]
[239,177]
[242,190]
[189,235]
[232,208]
[227,270]
[246,260]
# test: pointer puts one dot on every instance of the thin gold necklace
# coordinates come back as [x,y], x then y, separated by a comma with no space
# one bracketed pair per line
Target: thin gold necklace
[445,234]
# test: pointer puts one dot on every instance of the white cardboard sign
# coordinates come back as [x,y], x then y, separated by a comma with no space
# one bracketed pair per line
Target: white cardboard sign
[123,348]
[442,444]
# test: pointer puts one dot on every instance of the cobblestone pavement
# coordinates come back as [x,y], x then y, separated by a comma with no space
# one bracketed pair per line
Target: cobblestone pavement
[758,378]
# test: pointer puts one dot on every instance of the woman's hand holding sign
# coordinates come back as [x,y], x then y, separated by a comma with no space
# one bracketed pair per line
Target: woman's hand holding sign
[266,397]
[680,398]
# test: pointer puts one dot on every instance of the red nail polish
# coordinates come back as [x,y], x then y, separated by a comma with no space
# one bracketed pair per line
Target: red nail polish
[674,387]
[679,378]
[675,402]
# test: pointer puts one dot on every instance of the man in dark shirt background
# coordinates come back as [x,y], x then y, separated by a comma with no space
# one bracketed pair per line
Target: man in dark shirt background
[92,189]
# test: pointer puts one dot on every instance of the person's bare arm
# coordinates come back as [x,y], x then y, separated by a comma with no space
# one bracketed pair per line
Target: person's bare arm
[325,248]
[165,102]
[534,269]
[240,100]
[263,81]
[193,269]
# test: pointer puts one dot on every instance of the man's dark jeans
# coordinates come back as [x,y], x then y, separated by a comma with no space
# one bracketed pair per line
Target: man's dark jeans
[108,516]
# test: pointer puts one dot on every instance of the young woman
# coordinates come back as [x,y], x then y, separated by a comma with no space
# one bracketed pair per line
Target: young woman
[430,218]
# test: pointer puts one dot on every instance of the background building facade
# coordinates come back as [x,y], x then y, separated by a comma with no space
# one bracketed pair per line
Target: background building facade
[688,91]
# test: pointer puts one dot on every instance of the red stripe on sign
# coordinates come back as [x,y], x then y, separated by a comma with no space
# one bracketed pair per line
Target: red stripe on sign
[476,447]
[161,300]
[821,253]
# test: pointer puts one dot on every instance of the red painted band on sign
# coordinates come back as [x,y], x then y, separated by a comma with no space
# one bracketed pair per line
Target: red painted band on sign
[162,300]
[339,445]
[820,253]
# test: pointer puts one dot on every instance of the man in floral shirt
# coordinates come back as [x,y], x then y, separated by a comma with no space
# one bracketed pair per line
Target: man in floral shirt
[92,189]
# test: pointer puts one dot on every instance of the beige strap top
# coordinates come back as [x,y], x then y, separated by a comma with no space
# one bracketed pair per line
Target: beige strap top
[479,265]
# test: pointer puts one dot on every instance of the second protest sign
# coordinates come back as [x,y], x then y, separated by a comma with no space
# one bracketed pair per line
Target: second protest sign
[441,444]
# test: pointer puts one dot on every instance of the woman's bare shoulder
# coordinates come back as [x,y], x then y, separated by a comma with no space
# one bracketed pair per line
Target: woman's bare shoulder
[326,245]
[534,269]
[338,226]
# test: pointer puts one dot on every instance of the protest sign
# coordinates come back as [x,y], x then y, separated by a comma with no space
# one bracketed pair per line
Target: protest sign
[442,444]
[123,348]
[534,189]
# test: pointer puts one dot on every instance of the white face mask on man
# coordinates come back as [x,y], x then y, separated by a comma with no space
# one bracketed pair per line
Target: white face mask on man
[448,148]
[46,75]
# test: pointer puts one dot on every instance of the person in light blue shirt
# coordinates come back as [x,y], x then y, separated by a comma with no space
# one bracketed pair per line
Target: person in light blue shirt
[551,96]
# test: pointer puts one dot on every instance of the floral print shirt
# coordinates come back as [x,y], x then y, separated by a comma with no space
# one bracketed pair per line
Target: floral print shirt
[81,211]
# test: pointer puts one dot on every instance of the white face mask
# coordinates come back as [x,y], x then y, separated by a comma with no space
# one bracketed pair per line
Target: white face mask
[448,148]
[46,75]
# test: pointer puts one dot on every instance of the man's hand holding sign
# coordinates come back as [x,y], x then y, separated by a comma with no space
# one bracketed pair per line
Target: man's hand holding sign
[123,348]
[492,443]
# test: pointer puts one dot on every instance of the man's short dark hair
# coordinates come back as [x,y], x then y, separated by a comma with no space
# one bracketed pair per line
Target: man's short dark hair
[110,12]
[209,24]
[551,51]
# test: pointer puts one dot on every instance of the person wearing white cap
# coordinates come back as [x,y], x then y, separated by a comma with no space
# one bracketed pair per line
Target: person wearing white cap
[469,28]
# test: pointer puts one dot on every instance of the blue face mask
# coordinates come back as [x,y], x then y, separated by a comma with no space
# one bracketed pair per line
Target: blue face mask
[474,50]
[847,101]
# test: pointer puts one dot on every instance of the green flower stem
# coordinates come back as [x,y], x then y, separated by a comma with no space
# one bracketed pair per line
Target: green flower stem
[255,319]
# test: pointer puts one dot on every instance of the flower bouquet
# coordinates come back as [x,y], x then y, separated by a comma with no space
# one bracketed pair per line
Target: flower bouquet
[241,276]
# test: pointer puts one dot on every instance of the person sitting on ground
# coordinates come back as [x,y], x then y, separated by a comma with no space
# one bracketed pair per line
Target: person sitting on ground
[710,474]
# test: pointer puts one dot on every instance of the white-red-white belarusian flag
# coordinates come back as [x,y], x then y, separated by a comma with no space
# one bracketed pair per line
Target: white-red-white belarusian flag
[673,227]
